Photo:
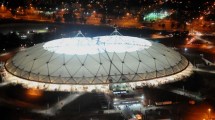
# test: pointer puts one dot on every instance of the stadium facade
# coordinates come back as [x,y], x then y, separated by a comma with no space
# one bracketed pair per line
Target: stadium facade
[102,63]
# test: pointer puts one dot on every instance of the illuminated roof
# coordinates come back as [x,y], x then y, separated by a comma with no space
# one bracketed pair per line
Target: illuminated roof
[98,60]
[83,45]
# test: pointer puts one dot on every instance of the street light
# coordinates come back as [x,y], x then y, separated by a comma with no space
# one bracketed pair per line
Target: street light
[142,100]
[142,97]
[209,114]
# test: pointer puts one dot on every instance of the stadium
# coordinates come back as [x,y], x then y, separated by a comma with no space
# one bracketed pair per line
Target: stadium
[101,63]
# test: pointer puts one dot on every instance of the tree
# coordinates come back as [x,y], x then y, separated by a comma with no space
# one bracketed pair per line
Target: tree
[58,19]
[83,20]
[163,25]
[13,40]
[172,25]
[69,18]
[38,38]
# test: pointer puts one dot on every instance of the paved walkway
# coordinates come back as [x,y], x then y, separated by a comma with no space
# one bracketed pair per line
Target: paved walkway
[204,40]
[208,62]
[50,111]
[4,84]
[187,94]
[203,70]
[182,92]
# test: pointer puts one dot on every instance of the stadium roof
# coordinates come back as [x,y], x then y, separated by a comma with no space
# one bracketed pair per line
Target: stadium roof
[98,60]
[100,63]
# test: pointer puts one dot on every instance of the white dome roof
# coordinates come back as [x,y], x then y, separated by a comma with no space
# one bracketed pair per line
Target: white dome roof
[98,60]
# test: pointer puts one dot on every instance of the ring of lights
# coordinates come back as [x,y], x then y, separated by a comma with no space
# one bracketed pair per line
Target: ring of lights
[86,64]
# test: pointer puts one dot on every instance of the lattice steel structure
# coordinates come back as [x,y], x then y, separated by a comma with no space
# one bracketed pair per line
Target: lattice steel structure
[86,64]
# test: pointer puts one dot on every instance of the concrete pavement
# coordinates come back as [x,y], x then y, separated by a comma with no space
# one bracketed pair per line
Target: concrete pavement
[51,111]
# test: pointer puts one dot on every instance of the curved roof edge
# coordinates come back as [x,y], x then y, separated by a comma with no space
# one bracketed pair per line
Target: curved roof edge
[99,87]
